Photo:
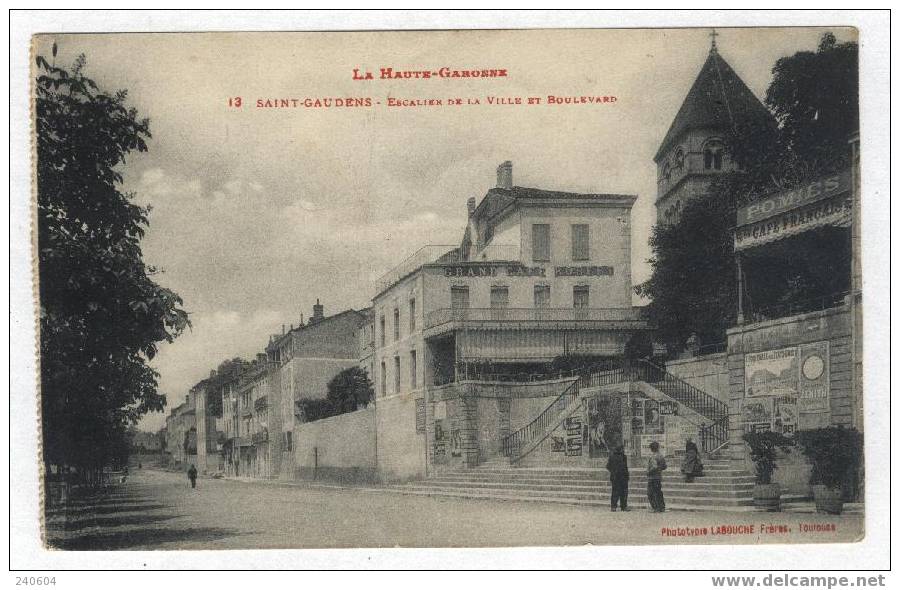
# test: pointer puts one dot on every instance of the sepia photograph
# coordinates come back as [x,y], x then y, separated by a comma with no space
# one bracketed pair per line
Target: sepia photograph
[534,287]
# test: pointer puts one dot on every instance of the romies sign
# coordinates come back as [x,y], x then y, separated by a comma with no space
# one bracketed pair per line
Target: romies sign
[825,201]
[780,202]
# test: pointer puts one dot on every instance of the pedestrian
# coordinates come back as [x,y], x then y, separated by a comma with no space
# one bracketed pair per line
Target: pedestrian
[691,467]
[656,464]
[617,465]
[192,475]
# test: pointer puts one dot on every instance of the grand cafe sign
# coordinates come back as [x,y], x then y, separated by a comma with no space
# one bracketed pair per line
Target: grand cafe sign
[520,270]
[825,201]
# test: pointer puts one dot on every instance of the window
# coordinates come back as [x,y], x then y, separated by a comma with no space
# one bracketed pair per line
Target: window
[288,441]
[412,369]
[396,324]
[412,316]
[542,295]
[540,242]
[581,296]
[383,379]
[712,155]
[581,241]
[499,297]
[459,297]
[396,374]
[382,330]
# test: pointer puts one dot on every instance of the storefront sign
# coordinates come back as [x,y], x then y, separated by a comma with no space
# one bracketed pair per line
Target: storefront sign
[833,211]
[583,271]
[772,205]
[486,269]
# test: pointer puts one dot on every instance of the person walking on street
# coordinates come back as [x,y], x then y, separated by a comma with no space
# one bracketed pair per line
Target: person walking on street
[192,475]
[656,464]
[617,465]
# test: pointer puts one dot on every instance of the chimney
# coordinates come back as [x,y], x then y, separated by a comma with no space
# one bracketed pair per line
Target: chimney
[212,373]
[504,175]
[282,329]
[318,313]
[470,205]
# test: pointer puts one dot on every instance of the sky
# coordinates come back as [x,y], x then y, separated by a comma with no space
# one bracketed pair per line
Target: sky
[258,212]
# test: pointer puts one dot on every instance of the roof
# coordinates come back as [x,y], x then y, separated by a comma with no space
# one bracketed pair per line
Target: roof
[718,99]
[498,199]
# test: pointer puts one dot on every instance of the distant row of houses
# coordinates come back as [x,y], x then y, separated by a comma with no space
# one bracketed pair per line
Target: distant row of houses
[240,420]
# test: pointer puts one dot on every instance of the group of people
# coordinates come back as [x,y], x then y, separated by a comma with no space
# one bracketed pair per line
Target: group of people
[617,465]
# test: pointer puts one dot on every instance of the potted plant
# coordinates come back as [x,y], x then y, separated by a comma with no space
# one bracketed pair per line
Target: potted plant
[763,452]
[835,454]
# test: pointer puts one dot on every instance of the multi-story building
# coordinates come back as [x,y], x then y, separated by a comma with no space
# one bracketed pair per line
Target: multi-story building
[539,274]
[305,359]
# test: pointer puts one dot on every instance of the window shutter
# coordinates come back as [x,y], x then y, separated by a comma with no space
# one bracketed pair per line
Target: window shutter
[540,241]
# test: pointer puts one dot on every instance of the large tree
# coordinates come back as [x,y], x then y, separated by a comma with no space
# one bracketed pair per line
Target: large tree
[350,390]
[814,100]
[102,316]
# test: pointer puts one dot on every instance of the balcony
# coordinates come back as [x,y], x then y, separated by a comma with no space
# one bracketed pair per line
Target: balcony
[446,320]
[424,255]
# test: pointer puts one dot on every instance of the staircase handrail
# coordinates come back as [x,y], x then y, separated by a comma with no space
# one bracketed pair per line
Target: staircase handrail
[542,421]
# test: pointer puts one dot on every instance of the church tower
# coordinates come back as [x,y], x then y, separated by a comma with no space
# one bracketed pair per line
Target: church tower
[693,151]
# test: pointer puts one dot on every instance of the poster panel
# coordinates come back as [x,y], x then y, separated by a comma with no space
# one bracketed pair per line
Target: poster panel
[771,372]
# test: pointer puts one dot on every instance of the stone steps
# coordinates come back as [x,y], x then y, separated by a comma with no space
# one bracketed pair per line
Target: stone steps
[579,488]
[721,488]
[602,500]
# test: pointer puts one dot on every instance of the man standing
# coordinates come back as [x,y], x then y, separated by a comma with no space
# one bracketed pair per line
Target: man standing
[192,475]
[617,465]
[656,464]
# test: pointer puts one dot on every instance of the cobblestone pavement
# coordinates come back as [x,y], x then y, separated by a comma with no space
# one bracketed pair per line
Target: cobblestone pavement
[159,510]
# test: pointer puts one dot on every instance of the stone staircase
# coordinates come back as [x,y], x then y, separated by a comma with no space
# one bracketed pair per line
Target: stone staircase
[722,488]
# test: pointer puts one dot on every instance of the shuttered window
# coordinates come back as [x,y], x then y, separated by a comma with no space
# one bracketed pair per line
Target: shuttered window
[499,297]
[459,297]
[581,296]
[581,241]
[540,242]
[542,295]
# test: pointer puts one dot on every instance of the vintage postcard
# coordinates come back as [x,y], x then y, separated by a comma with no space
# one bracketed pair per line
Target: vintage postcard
[456,288]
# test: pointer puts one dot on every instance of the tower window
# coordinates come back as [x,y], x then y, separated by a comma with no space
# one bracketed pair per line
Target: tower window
[712,155]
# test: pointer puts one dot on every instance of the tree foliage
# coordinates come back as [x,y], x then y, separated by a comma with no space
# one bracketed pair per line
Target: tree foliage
[225,372]
[350,390]
[693,286]
[814,101]
[102,317]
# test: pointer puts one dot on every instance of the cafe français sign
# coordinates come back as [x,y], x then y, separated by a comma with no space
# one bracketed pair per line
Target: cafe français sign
[825,201]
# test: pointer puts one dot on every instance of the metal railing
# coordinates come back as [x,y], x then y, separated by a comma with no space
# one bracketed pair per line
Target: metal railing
[712,435]
[424,255]
[512,444]
[442,316]
[772,312]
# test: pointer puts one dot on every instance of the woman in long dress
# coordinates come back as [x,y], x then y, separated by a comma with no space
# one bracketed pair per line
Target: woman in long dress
[692,466]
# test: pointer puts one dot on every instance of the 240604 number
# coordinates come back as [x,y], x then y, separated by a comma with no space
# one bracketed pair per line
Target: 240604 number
[35,580]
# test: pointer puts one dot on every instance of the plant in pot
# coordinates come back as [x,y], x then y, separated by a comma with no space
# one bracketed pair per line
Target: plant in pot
[835,454]
[764,448]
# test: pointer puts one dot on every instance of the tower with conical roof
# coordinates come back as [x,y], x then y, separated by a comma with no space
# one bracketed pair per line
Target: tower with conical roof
[693,151]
